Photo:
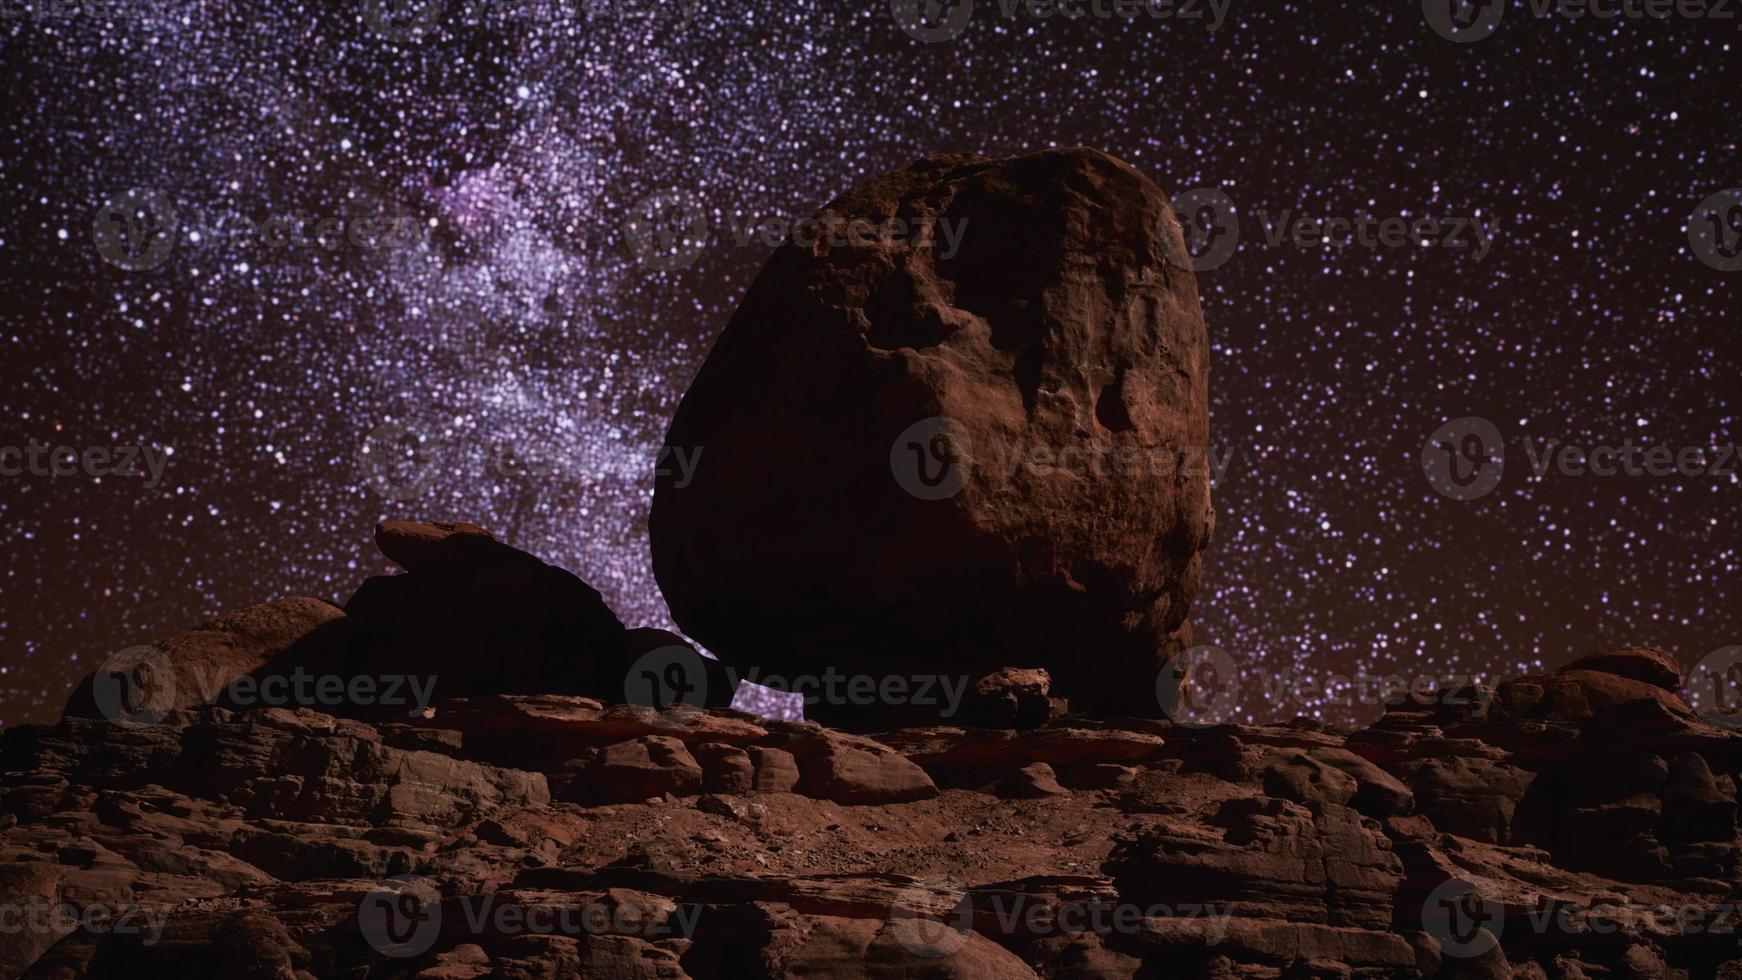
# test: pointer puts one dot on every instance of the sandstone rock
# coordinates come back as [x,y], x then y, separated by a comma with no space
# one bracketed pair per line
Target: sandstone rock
[1324,865]
[1474,798]
[1032,781]
[435,547]
[1646,664]
[639,768]
[1065,323]
[725,768]
[195,667]
[465,598]
[852,769]
[776,771]
[1378,793]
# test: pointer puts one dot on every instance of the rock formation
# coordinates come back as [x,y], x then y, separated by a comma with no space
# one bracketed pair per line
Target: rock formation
[913,457]
[473,769]
[1570,825]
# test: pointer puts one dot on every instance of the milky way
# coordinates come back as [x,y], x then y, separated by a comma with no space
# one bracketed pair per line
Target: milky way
[387,220]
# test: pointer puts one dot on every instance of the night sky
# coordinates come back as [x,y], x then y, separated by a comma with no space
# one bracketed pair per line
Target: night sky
[505,315]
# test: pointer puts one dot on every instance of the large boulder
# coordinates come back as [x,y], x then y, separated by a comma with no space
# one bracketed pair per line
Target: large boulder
[198,667]
[474,616]
[985,448]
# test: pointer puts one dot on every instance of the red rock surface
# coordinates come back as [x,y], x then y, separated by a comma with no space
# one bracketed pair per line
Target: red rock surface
[1585,819]
[1064,343]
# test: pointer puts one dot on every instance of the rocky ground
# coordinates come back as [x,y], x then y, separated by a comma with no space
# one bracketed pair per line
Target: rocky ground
[1578,824]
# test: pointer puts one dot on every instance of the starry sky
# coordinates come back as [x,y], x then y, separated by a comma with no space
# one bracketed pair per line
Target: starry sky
[504,144]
